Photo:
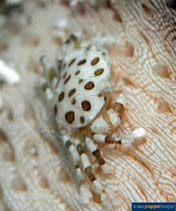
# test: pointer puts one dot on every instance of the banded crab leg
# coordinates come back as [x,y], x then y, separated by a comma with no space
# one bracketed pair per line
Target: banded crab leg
[47,80]
[95,151]
[87,167]
[50,74]
[82,167]
[124,139]
[114,116]
[95,185]
[72,149]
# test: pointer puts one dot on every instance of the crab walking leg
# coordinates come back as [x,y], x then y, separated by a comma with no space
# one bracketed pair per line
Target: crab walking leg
[78,154]
[85,193]
[94,183]
[68,143]
[85,162]
[49,72]
[86,165]
[73,146]
[96,186]
[125,139]
[48,80]
[46,90]
[93,148]
[77,151]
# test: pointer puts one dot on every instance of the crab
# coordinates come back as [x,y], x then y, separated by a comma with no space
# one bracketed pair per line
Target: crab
[80,90]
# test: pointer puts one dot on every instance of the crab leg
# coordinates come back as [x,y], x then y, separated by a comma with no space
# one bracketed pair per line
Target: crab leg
[68,143]
[126,139]
[49,72]
[86,164]
[93,148]
[79,156]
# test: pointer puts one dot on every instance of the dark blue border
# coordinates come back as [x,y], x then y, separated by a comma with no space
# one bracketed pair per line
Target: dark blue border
[156,206]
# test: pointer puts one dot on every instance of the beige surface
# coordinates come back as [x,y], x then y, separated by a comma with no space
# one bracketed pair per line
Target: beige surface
[31,167]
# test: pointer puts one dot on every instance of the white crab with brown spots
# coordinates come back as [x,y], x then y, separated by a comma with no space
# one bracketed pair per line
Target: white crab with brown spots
[80,88]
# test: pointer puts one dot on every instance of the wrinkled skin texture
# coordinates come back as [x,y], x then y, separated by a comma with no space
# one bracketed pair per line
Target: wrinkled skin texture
[31,164]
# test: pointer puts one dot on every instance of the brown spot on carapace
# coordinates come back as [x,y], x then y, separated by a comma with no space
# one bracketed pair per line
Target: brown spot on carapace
[89,85]
[67,79]
[86,106]
[61,96]
[83,61]
[64,75]
[71,62]
[73,101]
[55,109]
[162,70]
[70,116]
[95,61]
[77,72]
[80,81]
[71,92]
[99,71]
[82,120]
